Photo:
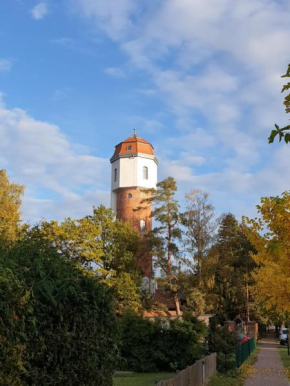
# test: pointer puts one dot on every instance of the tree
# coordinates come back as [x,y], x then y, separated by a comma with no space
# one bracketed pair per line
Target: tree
[195,296]
[281,131]
[233,267]
[10,201]
[165,212]
[270,235]
[102,247]
[200,225]
[224,343]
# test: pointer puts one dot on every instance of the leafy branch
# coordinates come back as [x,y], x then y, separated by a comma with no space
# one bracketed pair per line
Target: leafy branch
[280,132]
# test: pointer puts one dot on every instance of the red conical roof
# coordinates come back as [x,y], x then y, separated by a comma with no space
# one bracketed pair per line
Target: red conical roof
[132,145]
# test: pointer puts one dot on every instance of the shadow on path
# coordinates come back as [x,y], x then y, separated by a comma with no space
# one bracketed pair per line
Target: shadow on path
[268,369]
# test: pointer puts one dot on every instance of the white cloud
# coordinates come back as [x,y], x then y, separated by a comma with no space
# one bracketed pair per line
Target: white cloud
[216,65]
[110,15]
[5,65]
[39,11]
[115,72]
[39,156]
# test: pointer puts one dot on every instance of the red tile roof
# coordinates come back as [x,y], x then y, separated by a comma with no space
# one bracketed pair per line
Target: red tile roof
[138,145]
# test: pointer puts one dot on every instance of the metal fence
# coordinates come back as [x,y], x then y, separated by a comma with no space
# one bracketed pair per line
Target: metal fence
[195,375]
[244,350]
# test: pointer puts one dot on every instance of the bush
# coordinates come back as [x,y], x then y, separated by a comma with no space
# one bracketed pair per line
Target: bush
[14,311]
[160,345]
[60,326]
[224,343]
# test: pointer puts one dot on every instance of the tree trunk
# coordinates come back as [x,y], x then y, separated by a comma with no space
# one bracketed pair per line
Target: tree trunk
[247,303]
[177,305]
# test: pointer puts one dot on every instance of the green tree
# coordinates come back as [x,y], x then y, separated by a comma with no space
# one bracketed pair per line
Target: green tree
[164,237]
[233,267]
[10,202]
[195,296]
[101,246]
[224,343]
[166,213]
[282,132]
[200,225]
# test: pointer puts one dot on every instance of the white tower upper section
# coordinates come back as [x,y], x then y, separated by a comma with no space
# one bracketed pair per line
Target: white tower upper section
[134,165]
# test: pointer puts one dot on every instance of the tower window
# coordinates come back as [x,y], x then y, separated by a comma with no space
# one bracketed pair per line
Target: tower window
[142,226]
[145,173]
[115,175]
[129,196]
[129,148]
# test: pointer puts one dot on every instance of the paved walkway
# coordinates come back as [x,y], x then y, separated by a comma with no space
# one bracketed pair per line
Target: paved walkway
[269,370]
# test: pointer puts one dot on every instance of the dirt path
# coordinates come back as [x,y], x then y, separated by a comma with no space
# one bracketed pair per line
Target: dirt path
[269,370]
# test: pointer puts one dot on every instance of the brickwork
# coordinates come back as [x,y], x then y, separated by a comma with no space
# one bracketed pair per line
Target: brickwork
[128,200]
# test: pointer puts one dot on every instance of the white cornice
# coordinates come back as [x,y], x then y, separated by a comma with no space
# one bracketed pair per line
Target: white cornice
[133,155]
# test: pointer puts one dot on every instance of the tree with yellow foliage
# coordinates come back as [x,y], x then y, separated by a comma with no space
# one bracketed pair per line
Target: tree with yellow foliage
[101,246]
[270,235]
[10,201]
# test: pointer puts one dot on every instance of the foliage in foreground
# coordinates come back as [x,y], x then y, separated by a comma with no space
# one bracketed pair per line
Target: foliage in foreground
[57,324]
[280,132]
[160,345]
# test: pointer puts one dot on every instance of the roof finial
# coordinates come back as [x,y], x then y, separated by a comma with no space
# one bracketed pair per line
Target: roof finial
[135,130]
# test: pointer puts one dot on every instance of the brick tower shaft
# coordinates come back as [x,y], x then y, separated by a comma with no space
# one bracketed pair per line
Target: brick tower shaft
[134,168]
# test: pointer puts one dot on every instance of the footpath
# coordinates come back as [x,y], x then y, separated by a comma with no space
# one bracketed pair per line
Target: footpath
[268,369]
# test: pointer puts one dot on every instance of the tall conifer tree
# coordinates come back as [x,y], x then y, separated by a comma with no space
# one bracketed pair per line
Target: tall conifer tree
[165,235]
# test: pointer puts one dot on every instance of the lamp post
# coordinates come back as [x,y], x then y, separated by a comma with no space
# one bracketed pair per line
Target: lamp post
[287,321]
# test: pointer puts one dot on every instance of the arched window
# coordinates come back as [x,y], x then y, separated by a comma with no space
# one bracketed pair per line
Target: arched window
[115,175]
[145,173]
[142,226]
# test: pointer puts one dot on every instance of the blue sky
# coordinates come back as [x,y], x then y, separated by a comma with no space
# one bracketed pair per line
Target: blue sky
[200,79]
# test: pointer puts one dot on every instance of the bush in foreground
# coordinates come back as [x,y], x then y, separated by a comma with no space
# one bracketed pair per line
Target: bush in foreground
[57,324]
[160,345]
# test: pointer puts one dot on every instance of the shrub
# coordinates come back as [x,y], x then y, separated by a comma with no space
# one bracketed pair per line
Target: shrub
[14,311]
[65,330]
[160,345]
[224,343]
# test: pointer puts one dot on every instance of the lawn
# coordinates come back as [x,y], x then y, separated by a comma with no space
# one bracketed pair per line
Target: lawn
[238,377]
[144,379]
[283,351]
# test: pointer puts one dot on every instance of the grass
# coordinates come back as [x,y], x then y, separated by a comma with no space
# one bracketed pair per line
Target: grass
[144,379]
[236,378]
[283,351]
